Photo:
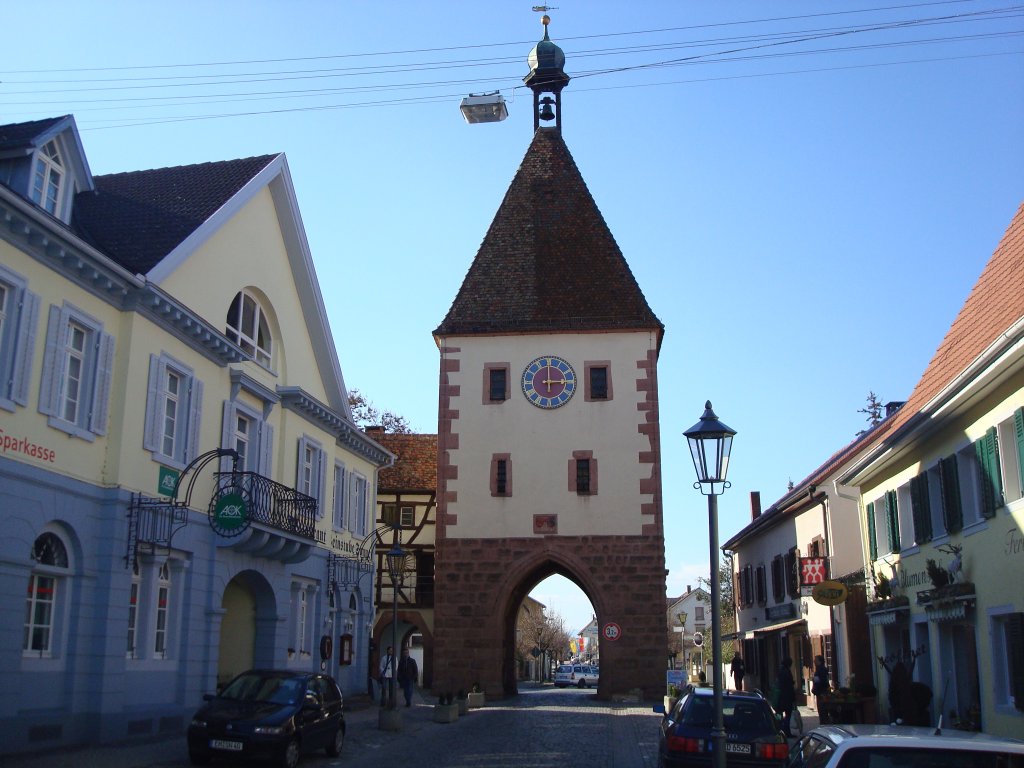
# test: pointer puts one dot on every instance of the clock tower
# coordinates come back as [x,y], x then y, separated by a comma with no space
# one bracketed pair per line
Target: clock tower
[549,456]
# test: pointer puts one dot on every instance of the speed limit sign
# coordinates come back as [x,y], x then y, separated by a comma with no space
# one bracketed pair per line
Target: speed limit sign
[698,639]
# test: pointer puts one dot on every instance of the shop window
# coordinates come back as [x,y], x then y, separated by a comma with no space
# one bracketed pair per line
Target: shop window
[45,596]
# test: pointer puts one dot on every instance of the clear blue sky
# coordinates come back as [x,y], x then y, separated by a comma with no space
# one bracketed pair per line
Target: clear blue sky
[805,192]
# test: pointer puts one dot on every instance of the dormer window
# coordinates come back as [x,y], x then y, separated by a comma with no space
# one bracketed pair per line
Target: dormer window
[48,178]
[248,328]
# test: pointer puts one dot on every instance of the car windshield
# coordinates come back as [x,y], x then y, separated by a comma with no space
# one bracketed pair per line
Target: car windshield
[261,688]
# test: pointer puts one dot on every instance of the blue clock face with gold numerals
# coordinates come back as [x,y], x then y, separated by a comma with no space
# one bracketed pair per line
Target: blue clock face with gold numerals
[549,382]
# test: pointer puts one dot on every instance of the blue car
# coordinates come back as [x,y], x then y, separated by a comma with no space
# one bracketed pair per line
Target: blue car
[269,715]
[753,736]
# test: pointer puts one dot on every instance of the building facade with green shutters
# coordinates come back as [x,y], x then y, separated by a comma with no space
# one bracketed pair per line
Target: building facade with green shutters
[942,504]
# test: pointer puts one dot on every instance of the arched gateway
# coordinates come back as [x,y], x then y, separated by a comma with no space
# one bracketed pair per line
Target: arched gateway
[549,456]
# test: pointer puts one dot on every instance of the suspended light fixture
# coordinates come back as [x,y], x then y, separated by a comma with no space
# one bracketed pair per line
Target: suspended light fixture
[484,108]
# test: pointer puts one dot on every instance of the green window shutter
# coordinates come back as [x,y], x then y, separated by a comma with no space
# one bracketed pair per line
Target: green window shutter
[921,509]
[892,521]
[872,538]
[987,450]
[949,481]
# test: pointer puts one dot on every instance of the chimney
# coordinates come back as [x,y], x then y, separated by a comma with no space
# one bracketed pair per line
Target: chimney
[689,589]
[374,430]
[892,407]
[755,505]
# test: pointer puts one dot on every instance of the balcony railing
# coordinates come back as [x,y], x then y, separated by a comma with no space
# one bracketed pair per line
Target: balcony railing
[271,503]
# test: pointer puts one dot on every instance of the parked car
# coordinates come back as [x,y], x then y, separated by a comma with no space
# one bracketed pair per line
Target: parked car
[268,714]
[753,736]
[578,675]
[865,746]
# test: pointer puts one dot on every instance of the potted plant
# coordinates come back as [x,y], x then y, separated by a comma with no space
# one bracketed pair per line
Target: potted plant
[463,702]
[476,696]
[445,711]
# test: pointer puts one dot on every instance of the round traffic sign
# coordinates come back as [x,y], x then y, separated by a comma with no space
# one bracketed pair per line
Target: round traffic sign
[611,631]
[698,639]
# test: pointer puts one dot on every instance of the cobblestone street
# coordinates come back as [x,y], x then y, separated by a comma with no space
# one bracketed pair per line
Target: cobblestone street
[541,727]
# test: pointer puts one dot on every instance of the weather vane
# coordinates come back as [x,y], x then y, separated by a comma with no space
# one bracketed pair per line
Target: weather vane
[544,8]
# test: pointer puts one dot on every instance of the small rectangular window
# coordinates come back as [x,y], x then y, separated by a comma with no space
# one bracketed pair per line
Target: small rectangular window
[173,411]
[582,475]
[408,517]
[496,383]
[498,378]
[597,380]
[501,474]
[389,514]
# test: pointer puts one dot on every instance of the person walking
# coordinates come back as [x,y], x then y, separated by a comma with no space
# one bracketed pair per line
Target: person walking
[387,670]
[408,675]
[819,683]
[787,694]
[738,671]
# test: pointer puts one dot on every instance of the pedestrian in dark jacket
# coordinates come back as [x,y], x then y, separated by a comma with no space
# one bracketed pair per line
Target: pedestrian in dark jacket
[738,671]
[787,694]
[819,683]
[408,675]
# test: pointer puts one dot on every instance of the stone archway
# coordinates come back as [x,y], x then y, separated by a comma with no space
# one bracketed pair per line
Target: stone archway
[246,629]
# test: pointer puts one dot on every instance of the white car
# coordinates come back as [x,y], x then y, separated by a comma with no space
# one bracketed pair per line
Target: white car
[868,746]
[578,675]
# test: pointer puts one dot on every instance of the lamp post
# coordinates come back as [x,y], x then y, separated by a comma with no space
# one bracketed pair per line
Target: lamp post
[682,640]
[396,569]
[710,444]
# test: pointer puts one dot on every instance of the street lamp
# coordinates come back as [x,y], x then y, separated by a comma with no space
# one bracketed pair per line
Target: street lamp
[396,569]
[710,444]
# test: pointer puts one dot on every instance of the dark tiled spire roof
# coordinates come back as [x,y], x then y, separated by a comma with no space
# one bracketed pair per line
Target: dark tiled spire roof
[18,135]
[548,261]
[415,467]
[138,218]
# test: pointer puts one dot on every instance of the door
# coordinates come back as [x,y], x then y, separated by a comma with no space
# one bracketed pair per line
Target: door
[237,632]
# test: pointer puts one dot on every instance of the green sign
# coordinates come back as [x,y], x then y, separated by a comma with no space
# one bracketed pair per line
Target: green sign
[230,516]
[168,479]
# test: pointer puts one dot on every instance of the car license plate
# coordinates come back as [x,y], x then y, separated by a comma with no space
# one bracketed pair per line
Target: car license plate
[234,746]
[742,749]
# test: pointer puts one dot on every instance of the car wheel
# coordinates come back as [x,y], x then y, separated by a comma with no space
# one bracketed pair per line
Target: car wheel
[291,754]
[581,684]
[198,758]
[334,748]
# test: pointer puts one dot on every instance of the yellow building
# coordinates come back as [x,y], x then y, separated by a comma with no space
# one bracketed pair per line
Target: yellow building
[942,505]
[183,492]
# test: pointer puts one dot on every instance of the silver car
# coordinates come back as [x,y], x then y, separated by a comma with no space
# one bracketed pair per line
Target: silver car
[577,675]
[868,746]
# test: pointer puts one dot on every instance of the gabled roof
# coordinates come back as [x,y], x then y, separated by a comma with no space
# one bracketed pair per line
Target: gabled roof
[138,218]
[415,467]
[23,135]
[993,307]
[548,261]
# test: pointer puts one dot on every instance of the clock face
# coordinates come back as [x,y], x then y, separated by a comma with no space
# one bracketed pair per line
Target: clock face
[549,382]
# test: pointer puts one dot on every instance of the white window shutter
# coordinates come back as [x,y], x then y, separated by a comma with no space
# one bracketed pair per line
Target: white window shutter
[101,384]
[266,449]
[195,415]
[149,429]
[49,385]
[321,482]
[24,346]
[227,430]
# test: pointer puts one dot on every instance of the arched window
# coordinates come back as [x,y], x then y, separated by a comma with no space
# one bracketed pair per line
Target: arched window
[51,557]
[248,328]
[47,178]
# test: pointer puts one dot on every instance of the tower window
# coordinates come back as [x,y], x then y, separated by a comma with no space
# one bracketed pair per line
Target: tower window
[583,473]
[597,380]
[501,474]
[496,383]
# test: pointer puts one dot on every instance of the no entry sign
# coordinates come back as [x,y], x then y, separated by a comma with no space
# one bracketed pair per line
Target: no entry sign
[611,631]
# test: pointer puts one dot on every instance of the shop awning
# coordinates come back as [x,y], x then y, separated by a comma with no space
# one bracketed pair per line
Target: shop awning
[780,626]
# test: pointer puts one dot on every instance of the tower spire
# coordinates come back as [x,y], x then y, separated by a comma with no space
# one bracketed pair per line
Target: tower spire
[547,78]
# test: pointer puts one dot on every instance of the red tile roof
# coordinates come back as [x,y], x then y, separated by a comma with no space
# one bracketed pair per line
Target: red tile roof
[548,261]
[995,304]
[415,468]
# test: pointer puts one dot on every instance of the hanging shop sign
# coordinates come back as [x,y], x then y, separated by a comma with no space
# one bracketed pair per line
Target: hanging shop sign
[230,514]
[813,570]
[167,481]
[829,593]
